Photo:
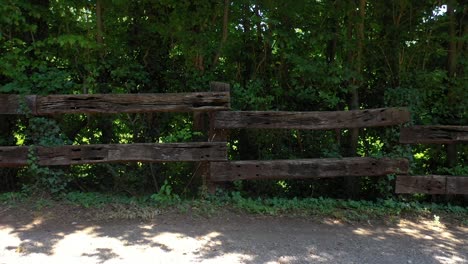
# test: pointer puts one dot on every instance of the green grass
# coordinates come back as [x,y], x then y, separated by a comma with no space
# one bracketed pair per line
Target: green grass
[347,210]
[12,198]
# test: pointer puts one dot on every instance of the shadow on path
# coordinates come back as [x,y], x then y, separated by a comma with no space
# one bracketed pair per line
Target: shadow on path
[229,238]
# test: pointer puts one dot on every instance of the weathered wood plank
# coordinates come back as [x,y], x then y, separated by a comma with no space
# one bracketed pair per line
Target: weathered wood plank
[215,135]
[117,103]
[101,153]
[457,185]
[205,122]
[13,156]
[305,168]
[432,184]
[11,104]
[433,134]
[312,120]
[429,184]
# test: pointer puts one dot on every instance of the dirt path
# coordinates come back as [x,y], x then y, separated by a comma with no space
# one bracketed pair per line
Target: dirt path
[228,238]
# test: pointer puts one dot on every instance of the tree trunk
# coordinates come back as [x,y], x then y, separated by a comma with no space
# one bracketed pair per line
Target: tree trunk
[8,176]
[353,183]
[225,31]
[354,105]
[99,23]
[331,54]
[452,45]
[451,70]
[248,61]
[104,122]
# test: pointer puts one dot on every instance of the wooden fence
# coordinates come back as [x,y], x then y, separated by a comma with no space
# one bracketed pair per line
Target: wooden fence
[114,103]
[433,184]
[109,104]
[308,168]
[104,153]
[212,116]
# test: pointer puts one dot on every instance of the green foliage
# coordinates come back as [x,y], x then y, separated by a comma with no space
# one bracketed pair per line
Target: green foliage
[45,178]
[252,97]
[145,207]
[277,55]
[88,199]
[98,200]
[180,130]
[44,132]
[43,203]
[165,196]
[12,197]
[457,170]
[344,209]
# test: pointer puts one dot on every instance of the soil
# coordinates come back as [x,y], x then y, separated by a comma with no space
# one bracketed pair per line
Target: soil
[70,234]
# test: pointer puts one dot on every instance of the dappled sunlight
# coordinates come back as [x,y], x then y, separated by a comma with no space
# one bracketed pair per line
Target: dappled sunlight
[173,241]
[363,232]
[380,238]
[95,244]
[85,238]
[333,222]
[425,230]
[440,241]
[450,259]
[284,259]
[16,239]
[171,246]
[209,246]
[318,256]
[33,224]
[230,239]
[8,238]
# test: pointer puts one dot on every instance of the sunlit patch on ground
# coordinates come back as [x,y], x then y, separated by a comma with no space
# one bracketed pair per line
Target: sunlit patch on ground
[442,242]
[230,239]
[88,245]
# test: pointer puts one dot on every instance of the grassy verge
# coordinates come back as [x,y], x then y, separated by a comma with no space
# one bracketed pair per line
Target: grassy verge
[146,207]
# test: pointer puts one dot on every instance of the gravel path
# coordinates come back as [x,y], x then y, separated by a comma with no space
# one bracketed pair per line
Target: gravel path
[230,238]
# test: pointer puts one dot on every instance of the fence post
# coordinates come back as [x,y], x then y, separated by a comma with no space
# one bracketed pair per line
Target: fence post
[216,135]
[200,125]
[205,123]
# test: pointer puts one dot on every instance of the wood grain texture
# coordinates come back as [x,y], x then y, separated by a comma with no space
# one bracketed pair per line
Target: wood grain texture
[101,153]
[215,135]
[433,134]
[457,185]
[305,168]
[432,184]
[312,120]
[204,122]
[429,184]
[11,104]
[116,103]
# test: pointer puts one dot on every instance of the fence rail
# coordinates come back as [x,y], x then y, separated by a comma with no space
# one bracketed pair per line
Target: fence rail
[305,168]
[115,103]
[432,184]
[312,120]
[104,153]
[433,134]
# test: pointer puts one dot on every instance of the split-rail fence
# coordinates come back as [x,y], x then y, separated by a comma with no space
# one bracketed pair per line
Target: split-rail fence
[212,115]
